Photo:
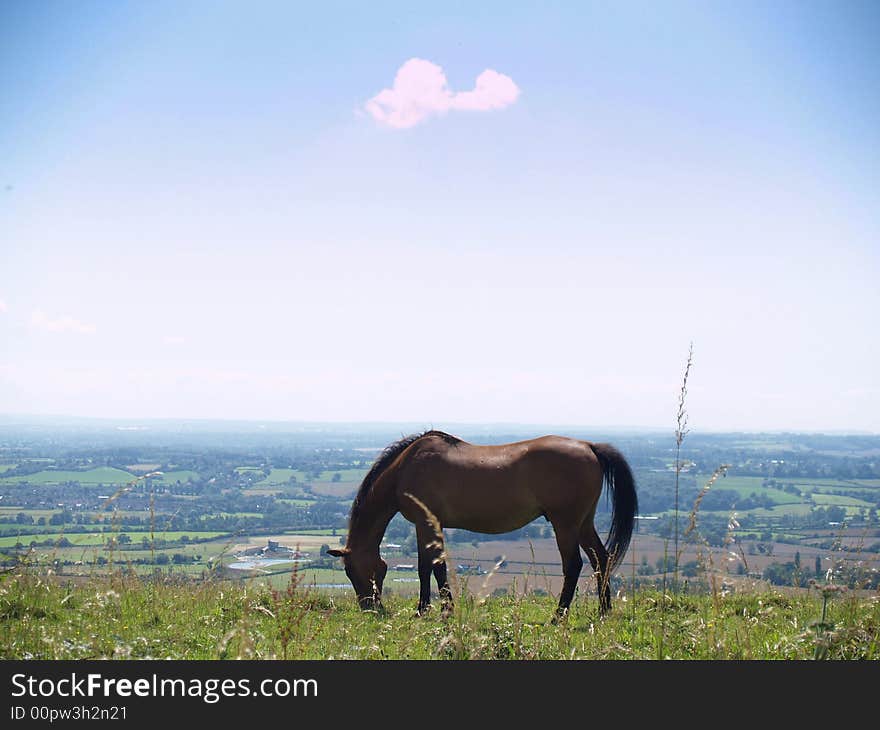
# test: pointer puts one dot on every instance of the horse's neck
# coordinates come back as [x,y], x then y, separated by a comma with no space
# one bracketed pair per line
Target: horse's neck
[372,523]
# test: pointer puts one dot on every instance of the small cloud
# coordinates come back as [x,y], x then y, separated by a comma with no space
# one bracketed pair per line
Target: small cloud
[421,91]
[173,340]
[3,308]
[39,320]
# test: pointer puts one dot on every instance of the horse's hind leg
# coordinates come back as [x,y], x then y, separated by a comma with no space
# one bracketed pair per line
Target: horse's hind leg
[431,560]
[443,585]
[598,556]
[569,550]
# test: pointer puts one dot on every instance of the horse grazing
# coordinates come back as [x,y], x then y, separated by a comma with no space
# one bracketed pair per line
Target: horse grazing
[436,480]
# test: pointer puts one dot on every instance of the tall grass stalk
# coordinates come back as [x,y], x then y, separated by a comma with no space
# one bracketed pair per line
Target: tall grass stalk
[681,430]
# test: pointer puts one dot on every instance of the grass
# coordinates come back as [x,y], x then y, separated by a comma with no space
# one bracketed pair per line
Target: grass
[121,617]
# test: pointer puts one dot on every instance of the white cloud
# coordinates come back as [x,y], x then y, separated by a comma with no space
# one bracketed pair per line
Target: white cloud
[173,340]
[66,323]
[421,91]
[3,307]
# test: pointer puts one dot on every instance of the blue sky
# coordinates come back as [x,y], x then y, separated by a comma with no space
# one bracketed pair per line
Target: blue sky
[201,217]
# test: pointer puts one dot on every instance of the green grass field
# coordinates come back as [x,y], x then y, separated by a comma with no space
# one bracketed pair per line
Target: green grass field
[122,617]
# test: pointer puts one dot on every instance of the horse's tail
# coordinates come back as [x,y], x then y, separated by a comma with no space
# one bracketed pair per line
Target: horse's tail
[624,502]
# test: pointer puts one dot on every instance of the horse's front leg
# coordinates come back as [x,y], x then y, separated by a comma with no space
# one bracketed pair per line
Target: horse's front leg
[570,552]
[431,561]
[442,579]
[425,568]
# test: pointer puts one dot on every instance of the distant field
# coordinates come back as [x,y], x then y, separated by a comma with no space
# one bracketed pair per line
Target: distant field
[283,476]
[10,510]
[345,475]
[81,539]
[799,508]
[310,531]
[335,489]
[99,538]
[788,509]
[278,476]
[183,475]
[142,468]
[101,475]
[826,499]
[305,542]
[6,467]
[745,486]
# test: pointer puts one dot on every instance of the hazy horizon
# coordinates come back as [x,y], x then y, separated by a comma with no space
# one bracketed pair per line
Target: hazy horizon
[410,426]
[487,214]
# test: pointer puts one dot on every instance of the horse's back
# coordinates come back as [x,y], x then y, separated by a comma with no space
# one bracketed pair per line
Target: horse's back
[497,488]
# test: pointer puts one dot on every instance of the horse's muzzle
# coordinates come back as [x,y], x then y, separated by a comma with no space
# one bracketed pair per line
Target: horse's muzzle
[370,603]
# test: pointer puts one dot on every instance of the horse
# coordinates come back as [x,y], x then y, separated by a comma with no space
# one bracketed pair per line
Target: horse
[437,480]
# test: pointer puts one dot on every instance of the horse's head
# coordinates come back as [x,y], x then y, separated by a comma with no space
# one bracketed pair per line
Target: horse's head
[366,571]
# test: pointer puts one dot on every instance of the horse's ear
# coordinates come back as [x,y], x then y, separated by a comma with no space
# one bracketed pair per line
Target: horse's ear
[338,553]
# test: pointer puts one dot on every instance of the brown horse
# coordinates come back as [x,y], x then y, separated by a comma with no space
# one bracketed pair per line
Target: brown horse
[436,480]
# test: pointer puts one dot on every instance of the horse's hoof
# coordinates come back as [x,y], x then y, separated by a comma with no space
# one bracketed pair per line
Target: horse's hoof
[559,617]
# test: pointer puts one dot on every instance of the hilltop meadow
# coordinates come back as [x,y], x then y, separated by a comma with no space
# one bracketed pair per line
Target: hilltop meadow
[213,545]
[122,616]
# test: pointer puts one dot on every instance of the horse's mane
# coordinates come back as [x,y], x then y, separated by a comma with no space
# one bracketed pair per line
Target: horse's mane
[384,460]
